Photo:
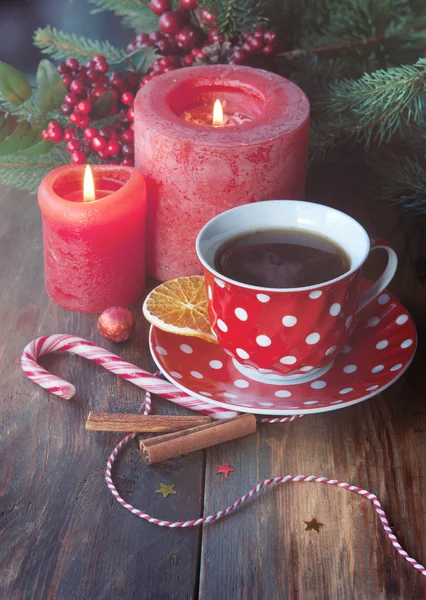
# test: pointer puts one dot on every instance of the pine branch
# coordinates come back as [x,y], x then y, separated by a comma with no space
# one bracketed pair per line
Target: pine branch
[134,14]
[26,173]
[378,105]
[236,15]
[60,45]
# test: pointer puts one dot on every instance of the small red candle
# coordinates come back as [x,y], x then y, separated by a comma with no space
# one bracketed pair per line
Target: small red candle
[196,168]
[94,241]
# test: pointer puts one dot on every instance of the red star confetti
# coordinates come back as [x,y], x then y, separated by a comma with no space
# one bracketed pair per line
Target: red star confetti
[225,469]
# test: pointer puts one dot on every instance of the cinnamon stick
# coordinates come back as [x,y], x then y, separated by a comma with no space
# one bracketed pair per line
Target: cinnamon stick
[106,421]
[161,448]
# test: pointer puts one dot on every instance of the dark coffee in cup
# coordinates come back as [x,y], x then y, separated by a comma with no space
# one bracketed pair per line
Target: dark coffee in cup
[281,258]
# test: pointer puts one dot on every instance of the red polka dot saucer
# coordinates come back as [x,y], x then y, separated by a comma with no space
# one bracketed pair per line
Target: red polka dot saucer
[380,349]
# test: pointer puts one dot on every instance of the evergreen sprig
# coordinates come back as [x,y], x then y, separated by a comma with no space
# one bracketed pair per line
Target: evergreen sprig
[134,14]
[61,45]
[25,172]
[237,15]
[378,105]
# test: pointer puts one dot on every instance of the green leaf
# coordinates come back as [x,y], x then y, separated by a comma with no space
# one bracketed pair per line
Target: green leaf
[14,86]
[40,147]
[21,137]
[102,106]
[4,129]
[50,89]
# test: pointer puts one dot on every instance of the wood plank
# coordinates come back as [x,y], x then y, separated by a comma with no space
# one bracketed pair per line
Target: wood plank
[63,534]
[262,550]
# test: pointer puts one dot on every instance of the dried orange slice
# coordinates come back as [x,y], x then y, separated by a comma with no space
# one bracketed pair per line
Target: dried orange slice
[180,306]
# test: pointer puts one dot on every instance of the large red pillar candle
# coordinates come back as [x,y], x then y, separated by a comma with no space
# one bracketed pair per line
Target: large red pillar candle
[195,171]
[94,252]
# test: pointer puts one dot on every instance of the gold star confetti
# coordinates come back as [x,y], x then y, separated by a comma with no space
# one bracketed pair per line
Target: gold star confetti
[166,490]
[313,524]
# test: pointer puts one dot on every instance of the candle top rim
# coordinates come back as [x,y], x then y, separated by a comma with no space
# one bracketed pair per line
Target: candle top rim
[286,105]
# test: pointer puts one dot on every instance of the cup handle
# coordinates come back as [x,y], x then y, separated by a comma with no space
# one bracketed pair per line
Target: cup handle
[385,278]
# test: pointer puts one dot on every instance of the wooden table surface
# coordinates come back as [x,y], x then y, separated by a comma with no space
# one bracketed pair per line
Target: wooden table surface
[64,537]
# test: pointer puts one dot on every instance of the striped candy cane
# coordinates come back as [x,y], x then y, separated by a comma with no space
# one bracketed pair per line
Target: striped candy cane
[111,362]
[265,483]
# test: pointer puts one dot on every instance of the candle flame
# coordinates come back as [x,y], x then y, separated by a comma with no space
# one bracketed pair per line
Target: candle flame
[217,114]
[88,186]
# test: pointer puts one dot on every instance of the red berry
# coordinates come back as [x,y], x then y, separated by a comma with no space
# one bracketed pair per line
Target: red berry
[105,131]
[63,69]
[53,125]
[67,79]
[102,81]
[77,86]
[132,127]
[206,17]
[198,53]
[256,44]
[69,134]
[268,50]
[159,7]
[127,137]
[269,36]
[98,143]
[73,146]
[70,99]
[142,38]
[154,36]
[72,63]
[45,134]
[170,22]
[123,116]
[84,121]
[78,158]
[239,56]
[127,162]
[89,133]
[98,92]
[127,98]
[113,136]
[99,58]
[103,154]
[163,46]
[92,75]
[188,4]
[188,60]
[113,148]
[169,68]
[91,64]
[246,47]
[131,114]
[127,150]
[145,80]
[188,38]
[84,106]
[75,118]
[117,79]
[214,36]
[66,109]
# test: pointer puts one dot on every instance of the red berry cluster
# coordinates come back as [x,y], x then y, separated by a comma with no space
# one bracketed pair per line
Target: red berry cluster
[181,39]
[85,84]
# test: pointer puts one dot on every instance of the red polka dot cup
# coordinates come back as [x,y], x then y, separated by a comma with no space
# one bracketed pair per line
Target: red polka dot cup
[291,332]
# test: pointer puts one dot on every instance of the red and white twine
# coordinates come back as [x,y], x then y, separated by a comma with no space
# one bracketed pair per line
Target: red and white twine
[152,383]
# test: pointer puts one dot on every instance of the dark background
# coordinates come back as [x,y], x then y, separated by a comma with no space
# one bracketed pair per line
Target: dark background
[20,18]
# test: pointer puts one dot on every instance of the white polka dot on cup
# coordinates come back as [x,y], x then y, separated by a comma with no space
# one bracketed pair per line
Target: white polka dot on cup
[176,374]
[313,338]
[242,353]
[306,369]
[346,349]
[209,293]
[241,314]
[402,319]
[315,294]
[382,344]
[161,350]
[219,282]
[206,394]
[263,340]
[336,402]
[241,383]
[229,395]
[335,309]
[222,325]
[372,388]
[348,322]
[346,390]
[263,298]
[282,394]
[383,299]
[377,369]
[330,350]
[289,321]
[406,343]
[396,367]
[350,369]
[197,375]
[288,360]
[373,322]
[186,348]
[309,402]
[318,385]
[216,364]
